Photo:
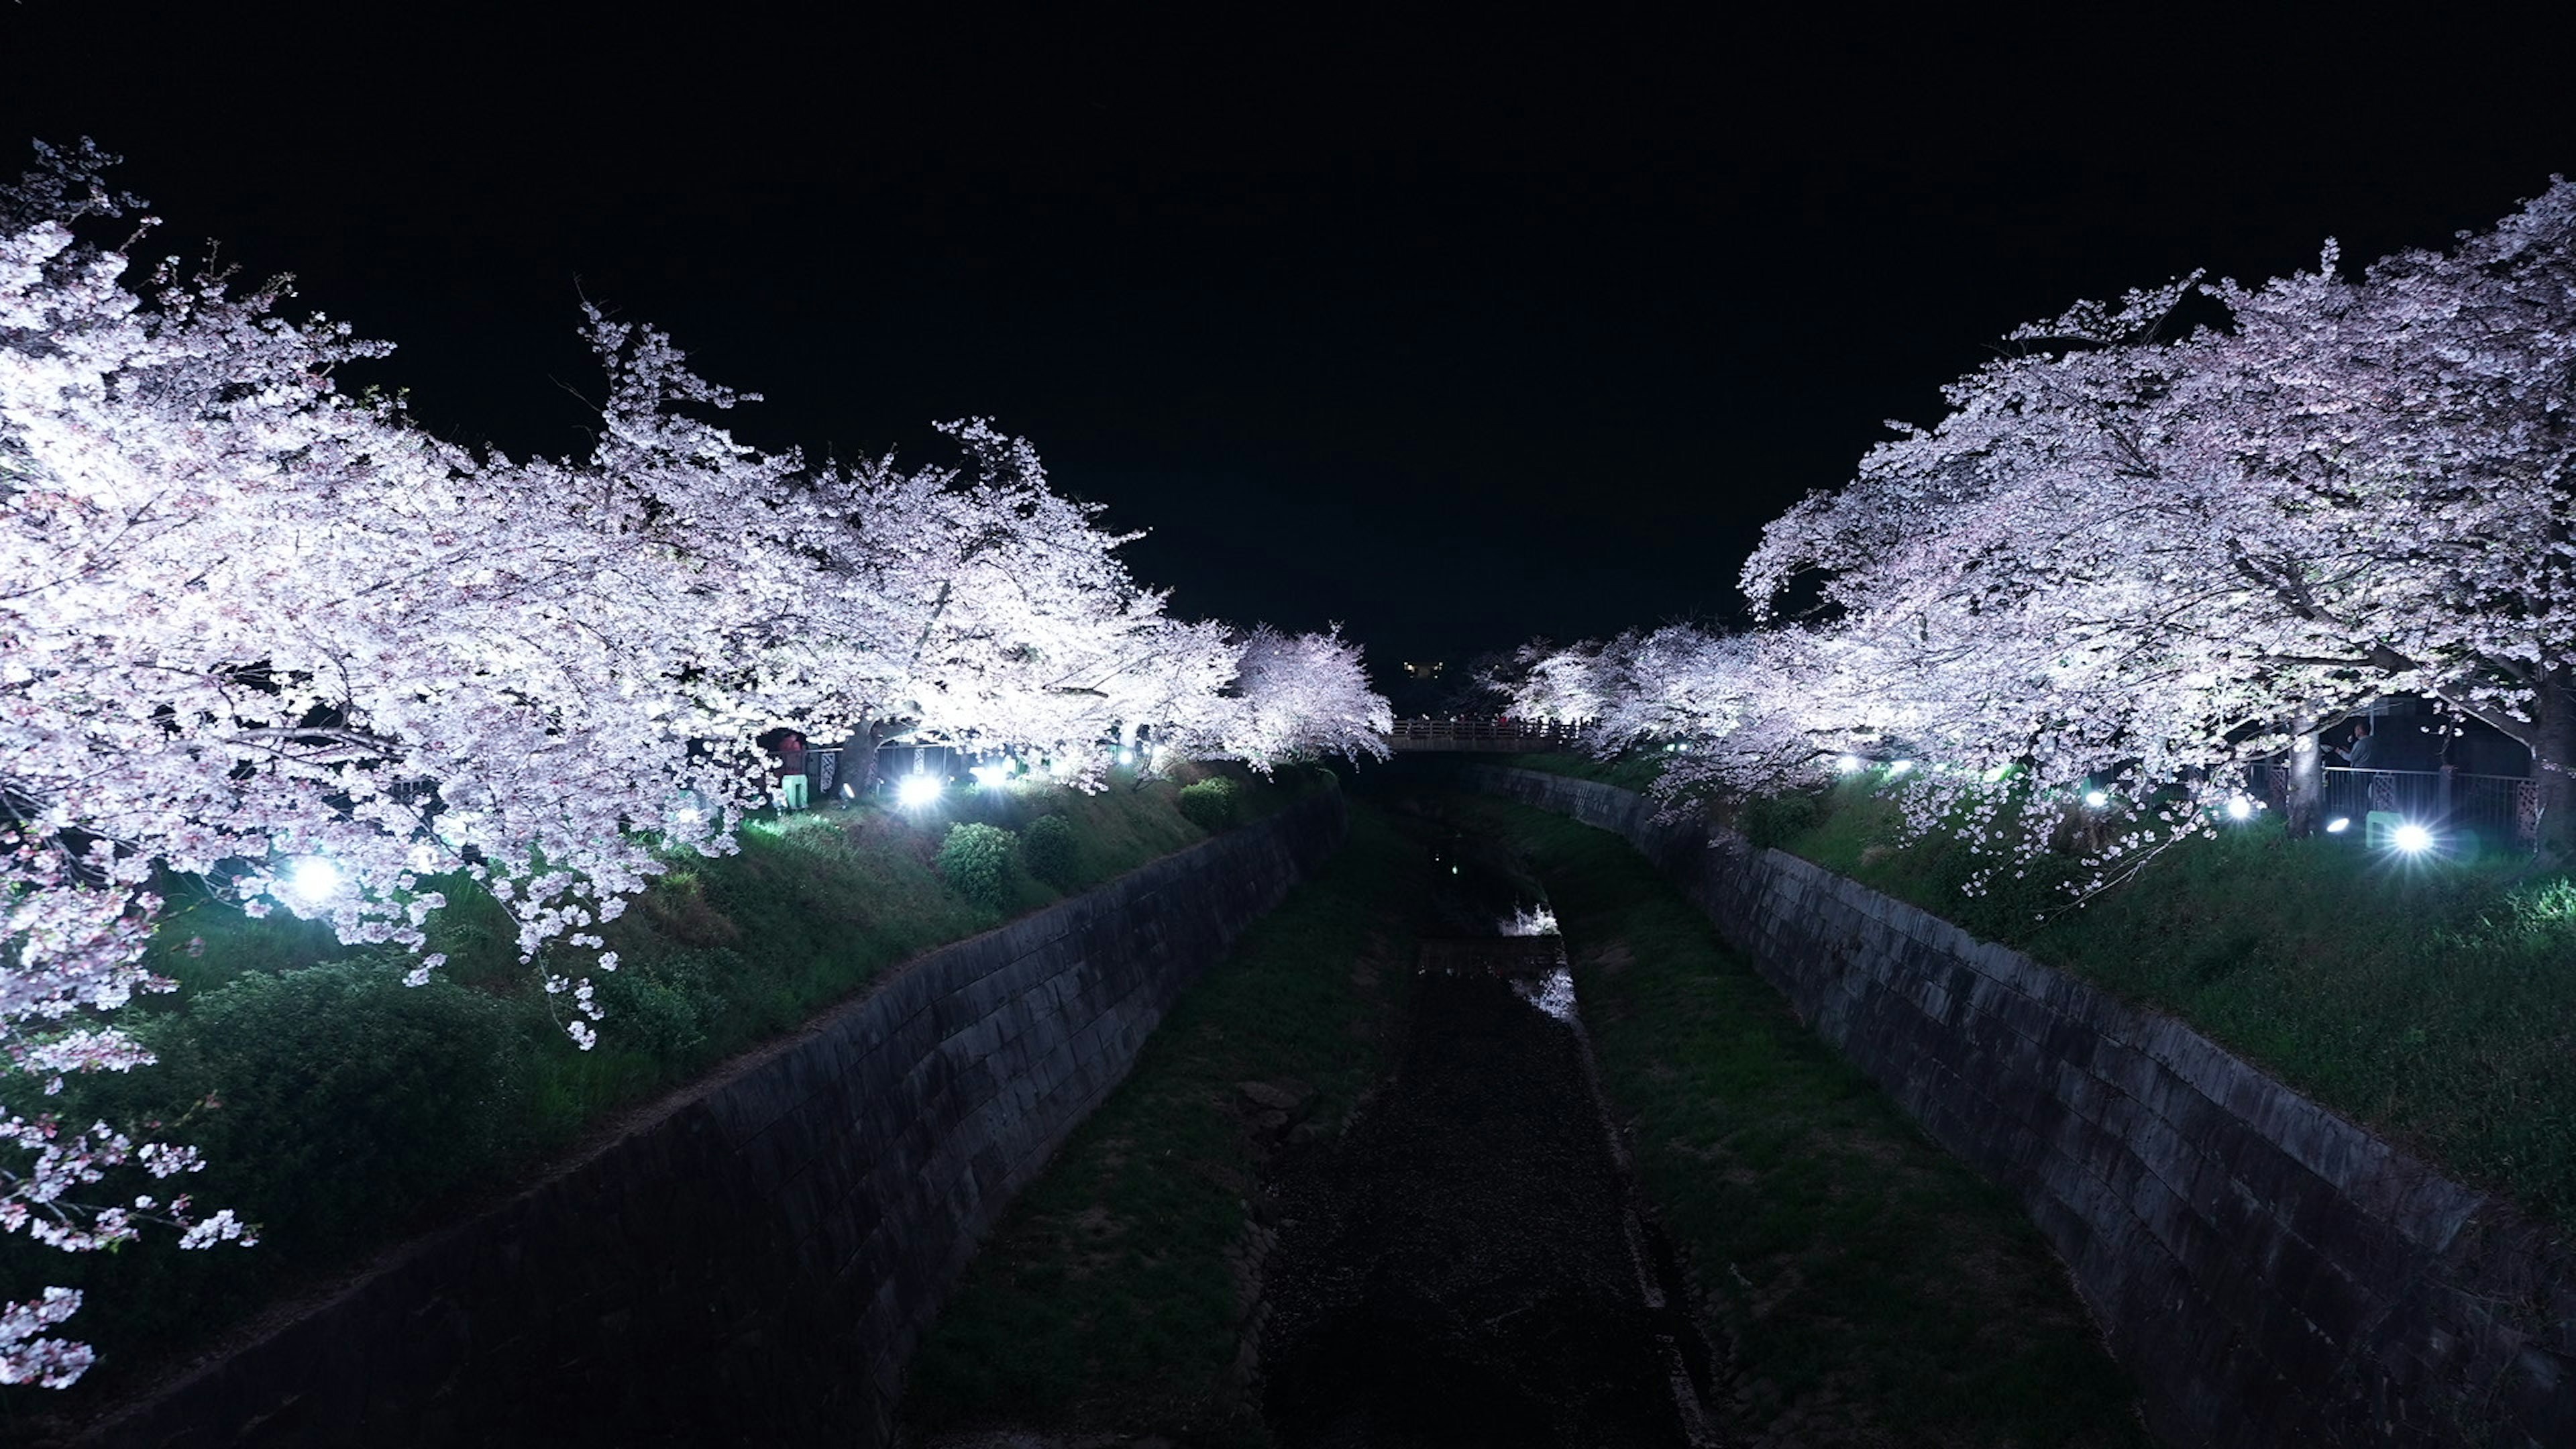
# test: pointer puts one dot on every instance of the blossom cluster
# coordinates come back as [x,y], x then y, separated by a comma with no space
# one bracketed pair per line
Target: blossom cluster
[264,631]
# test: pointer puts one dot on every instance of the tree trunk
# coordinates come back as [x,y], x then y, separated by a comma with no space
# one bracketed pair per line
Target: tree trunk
[859,756]
[2307,803]
[2553,754]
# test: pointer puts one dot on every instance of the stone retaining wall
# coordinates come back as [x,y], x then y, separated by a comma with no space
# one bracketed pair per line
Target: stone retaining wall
[755,1262]
[2272,1273]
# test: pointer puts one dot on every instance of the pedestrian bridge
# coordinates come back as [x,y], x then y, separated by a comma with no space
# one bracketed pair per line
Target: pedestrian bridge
[1427,734]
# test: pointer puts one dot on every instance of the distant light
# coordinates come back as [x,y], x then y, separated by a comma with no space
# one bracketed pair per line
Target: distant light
[1848,764]
[2411,838]
[688,815]
[2240,808]
[2097,798]
[917,790]
[990,775]
[1900,767]
[313,879]
[1126,756]
[1994,773]
[2339,825]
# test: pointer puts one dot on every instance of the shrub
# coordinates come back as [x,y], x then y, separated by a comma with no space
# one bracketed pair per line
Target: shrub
[1048,847]
[347,1096]
[333,1104]
[1769,820]
[976,861]
[1209,804]
[663,1006]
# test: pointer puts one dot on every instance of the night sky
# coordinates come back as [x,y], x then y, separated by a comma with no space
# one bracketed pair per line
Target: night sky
[1456,334]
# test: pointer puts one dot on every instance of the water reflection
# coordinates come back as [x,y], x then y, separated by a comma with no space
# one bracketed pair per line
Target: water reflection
[1457,1272]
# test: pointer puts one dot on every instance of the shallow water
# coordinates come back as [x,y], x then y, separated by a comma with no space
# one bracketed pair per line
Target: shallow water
[1461,1269]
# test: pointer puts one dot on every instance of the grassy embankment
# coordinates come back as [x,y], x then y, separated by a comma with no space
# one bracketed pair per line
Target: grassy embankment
[2432,999]
[1869,1287]
[341,1110]
[1110,1297]
[1628,772]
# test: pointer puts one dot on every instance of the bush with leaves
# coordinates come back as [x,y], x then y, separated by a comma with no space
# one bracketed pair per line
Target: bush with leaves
[1769,820]
[1048,848]
[977,861]
[331,1069]
[667,1003]
[1210,804]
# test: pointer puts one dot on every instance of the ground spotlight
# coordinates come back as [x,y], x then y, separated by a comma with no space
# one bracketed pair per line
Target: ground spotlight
[2240,808]
[313,879]
[2411,838]
[2097,798]
[989,776]
[917,790]
[2339,825]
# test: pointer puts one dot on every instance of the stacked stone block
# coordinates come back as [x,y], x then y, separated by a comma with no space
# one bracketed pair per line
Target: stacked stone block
[754,1261]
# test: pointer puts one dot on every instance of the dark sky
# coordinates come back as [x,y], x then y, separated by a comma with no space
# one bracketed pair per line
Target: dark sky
[1458,334]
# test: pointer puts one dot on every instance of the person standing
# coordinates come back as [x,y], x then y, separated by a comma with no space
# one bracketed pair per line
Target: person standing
[791,771]
[2363,750]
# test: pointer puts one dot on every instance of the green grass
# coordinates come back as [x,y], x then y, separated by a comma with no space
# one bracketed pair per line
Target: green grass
[1873,1289]
[2432,1000]
[1105,1300]
[1632,771]
[341,1110]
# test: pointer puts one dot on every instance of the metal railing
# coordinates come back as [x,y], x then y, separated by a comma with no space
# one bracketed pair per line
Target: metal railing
[825,771]
[1479,732]
[2499,809]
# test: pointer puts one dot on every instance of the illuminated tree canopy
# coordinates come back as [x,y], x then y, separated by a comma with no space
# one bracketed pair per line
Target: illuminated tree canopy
[2132,554]
[259,629]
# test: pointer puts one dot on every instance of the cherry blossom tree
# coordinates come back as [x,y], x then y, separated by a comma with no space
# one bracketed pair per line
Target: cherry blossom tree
[1300,696]
[2415,447]
[2133,556]
[992,612]
[1744,713]
[2181,553]
[1542,680]
[260,630]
